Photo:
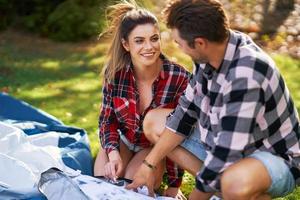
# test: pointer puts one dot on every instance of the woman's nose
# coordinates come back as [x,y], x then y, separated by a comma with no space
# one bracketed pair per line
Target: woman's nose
[148,45]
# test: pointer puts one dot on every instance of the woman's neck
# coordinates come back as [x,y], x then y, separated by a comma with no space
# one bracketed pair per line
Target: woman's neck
[147,73]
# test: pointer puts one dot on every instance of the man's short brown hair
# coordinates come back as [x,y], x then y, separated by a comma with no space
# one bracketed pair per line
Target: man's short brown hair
[197,18]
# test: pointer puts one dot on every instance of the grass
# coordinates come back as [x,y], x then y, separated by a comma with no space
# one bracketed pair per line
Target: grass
[64,80]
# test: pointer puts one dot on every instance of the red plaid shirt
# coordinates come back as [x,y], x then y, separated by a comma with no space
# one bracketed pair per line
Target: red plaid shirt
[119,110]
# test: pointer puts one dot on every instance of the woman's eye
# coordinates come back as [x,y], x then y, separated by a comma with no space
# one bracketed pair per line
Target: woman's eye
[139,41]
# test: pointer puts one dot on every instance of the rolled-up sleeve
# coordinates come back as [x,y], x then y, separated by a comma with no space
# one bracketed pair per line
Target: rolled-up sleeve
[182,120]
[108,124]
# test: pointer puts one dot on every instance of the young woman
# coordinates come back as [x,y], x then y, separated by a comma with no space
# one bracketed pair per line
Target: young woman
[138,78]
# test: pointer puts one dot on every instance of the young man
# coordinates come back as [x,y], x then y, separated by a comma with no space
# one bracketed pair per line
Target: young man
[246,118]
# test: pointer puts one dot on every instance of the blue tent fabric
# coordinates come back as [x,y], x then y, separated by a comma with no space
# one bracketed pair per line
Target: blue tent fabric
[75,147]
[11,108]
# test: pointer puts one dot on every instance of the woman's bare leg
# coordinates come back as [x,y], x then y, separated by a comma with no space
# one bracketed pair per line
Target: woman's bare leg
[137,160]
[100,162]
[154,123]
[102,159]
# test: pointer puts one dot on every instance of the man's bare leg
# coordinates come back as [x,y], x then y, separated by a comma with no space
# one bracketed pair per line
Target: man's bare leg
[246,179]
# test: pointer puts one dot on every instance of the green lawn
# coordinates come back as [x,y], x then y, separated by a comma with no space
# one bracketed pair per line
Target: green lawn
[64,80]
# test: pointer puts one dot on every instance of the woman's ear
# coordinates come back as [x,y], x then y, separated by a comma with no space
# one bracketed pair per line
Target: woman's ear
[125,44]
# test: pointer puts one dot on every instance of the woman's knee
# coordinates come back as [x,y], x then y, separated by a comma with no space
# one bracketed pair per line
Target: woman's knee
[154,123]
[150,126]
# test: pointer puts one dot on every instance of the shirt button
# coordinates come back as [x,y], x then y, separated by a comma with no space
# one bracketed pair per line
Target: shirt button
[195,91]
[126,103]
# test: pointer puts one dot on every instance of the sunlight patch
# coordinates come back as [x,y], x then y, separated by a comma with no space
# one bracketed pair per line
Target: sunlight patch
[40,93]
[86,85]
[50,64]
[97,61]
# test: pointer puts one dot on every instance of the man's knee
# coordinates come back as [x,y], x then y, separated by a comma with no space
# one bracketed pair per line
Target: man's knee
[246,179]
[235,185]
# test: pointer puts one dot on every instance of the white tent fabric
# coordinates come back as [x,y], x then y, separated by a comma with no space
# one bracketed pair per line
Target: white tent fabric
[22,161]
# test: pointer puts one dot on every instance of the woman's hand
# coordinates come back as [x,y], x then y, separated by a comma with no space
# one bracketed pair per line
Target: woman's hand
[114,167]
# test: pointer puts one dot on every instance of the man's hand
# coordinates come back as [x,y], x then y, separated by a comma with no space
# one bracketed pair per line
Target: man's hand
[175,193]
[114,167]
[144,176]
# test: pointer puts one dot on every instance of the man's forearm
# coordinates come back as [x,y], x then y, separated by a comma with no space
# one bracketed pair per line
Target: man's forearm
[166,143]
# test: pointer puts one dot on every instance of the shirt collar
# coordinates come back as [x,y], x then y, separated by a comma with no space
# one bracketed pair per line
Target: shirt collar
[230,53]
[129,66]
[165,67]
[207,70]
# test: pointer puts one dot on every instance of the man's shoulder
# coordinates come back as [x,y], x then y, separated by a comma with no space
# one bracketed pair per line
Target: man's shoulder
[252,64]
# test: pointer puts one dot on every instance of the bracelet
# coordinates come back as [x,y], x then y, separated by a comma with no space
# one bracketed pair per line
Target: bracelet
[149,165]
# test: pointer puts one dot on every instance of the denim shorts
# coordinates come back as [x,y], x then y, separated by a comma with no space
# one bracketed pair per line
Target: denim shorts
[132,147]
[283,181]
[194,145]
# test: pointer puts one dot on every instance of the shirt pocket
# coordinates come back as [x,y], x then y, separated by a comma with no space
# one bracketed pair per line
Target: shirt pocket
[122,109]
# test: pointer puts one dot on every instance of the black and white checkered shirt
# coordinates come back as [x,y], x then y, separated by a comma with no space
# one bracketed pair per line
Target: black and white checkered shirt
[242,107]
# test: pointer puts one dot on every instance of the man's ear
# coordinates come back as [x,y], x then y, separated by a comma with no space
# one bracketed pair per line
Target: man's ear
[200,42]
[125,44]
